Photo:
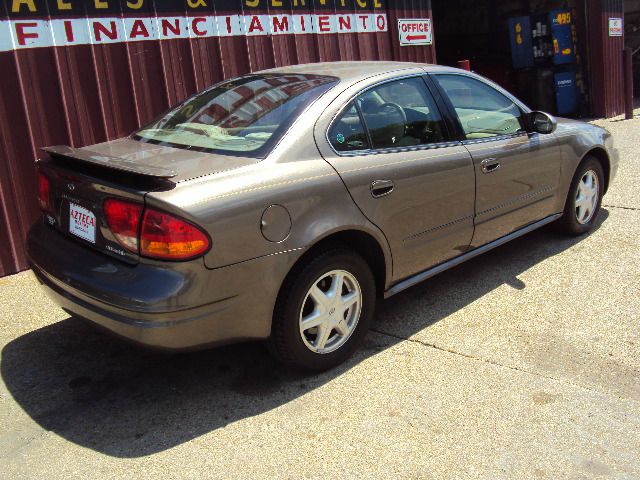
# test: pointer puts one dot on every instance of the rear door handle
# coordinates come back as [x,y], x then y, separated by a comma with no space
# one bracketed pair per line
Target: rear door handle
[382,188]
[490,165]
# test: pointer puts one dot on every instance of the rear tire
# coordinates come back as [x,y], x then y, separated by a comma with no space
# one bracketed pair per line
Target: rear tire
[584,200]
[324,311]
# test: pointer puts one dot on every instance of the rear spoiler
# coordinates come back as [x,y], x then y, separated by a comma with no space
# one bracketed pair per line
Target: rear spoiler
[105,161]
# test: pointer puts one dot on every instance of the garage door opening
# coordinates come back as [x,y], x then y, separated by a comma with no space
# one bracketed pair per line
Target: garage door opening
[536,49]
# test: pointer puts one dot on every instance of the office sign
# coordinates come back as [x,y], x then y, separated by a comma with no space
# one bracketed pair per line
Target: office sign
[415,32]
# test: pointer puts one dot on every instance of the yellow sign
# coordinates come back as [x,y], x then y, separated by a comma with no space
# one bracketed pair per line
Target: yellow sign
[564,18]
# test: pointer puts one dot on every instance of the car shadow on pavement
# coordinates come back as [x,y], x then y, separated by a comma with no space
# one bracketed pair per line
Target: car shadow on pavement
[123,401]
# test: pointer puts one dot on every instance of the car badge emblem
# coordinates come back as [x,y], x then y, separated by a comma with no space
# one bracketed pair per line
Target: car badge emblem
[71,187]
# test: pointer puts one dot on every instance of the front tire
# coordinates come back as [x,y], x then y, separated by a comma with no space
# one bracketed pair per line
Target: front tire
[584,200]
[324,311]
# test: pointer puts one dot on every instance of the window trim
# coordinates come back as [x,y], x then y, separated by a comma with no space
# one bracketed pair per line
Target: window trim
[451,141]
[456,118]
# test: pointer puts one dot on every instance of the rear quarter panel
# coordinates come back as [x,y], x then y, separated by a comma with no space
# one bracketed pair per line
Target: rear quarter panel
[230,205]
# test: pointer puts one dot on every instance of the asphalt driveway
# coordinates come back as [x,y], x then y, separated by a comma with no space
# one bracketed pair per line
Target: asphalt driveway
[523,363]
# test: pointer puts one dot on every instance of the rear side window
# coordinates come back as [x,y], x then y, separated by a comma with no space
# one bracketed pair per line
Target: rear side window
[483,111]
[402,113]
[347,133]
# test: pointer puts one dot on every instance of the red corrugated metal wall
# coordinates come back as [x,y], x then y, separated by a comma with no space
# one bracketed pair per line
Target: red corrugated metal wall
[605,59]
[92,91]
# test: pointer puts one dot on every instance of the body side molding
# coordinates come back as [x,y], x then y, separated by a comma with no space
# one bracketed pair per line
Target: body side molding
[432,272]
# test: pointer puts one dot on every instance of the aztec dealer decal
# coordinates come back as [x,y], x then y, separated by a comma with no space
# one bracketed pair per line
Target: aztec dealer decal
[28,33]
[82,223]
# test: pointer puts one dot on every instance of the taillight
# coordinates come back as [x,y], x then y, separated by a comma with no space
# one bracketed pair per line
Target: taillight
[44,192]
[160,235]
[123,219]
[166,237]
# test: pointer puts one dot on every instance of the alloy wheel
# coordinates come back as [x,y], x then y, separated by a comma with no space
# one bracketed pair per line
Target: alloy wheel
[330,312]
[587,197]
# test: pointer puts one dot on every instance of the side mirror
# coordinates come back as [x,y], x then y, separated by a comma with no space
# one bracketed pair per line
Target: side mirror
[543,123]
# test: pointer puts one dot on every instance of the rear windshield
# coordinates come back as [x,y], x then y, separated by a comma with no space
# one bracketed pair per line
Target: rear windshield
[245,116]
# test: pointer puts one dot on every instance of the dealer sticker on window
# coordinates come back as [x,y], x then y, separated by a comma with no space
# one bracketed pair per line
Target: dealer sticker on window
[82,223]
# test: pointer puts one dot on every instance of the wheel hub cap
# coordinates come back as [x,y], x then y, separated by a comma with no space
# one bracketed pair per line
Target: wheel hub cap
[587,197]
[330,312]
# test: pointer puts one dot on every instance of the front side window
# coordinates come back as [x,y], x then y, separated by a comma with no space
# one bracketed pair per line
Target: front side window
[402,113]
[483,111]
[245,116]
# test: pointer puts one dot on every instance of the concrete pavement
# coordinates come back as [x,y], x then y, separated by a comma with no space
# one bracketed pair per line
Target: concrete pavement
[523,363]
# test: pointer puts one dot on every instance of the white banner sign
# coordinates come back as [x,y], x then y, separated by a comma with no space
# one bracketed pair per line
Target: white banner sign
[615,27]
[19,34]
[415,32]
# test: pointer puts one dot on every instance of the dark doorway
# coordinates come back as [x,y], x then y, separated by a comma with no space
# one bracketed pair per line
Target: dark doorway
[481,31]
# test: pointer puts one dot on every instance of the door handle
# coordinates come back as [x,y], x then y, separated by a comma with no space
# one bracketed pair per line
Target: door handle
[490,165]
[382,188]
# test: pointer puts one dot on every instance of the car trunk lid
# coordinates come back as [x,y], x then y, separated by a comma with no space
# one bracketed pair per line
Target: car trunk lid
[76,201]
[81,179]
[105,160]
[151,160]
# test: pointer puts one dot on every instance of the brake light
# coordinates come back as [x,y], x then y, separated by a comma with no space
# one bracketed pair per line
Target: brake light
[44,192]
[166,237]
[123,219]
[155,234]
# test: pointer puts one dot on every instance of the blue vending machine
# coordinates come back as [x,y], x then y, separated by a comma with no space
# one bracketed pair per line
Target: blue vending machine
[521,42]
[566,92]
[545,42]
[562,35]
[564,55]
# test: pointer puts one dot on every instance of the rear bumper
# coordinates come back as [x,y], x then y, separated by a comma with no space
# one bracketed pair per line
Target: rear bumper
[174,306]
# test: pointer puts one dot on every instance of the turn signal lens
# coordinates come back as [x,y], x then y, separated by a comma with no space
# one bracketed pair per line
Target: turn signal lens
[166,237]
[123,219]
[44,192]
[160,235]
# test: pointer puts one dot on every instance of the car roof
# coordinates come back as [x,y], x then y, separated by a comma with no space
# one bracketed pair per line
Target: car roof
[351,72]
